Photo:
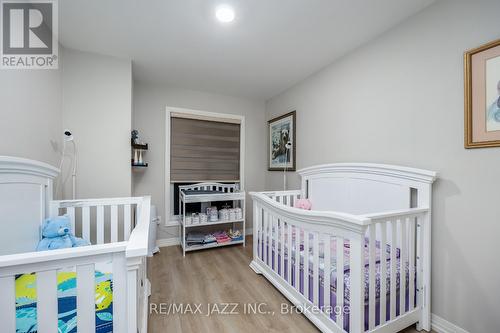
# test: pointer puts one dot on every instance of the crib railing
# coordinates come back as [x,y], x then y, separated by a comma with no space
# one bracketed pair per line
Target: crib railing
[127,265]
[295,248]
[286,198]
[100,220]
[402,232]
[221,187]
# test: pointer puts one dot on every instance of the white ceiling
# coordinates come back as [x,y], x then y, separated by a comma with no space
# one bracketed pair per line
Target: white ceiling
[271,45]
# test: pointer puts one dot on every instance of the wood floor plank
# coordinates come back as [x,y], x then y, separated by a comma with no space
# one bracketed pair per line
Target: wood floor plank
[217,276]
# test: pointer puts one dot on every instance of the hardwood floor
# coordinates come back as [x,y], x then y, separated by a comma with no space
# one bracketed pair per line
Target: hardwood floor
[211,280]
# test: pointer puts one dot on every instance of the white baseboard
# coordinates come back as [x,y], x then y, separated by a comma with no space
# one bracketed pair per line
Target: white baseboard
[173,223]
[167,242]
[440,325]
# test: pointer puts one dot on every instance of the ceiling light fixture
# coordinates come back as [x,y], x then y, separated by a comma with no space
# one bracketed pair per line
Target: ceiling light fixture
[225,14]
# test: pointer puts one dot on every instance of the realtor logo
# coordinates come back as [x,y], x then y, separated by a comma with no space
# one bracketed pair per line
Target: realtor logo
[29,34]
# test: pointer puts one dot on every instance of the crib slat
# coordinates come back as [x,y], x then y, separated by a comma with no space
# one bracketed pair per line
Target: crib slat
[371,296]
[260,235]
[402,269]
[119,293]
[393,269]
[127,222]
[8,304]
[326,271]
[383,272]
[411,255]
[266,238]
[282,248]
[85,299]
[256,230]
[46,305]
[340,282]
[306,264]
[315,298]
[289,253]
[114,223]
[420,261]
[297,258]
[71,213]
[357,284]
[275,243]
[100,224]
[271,241]
[86,223]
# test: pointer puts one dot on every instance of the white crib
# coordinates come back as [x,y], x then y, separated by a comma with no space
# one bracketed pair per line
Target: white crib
[373,223]
[119,227]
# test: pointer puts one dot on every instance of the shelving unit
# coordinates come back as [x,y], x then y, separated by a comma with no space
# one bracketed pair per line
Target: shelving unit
[211,223]
[140,148]
[210,193]
[211,245]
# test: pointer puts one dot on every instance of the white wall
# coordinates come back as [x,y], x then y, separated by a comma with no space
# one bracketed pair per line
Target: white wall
[400,100]
[97,108]
[30,114]
[150,102]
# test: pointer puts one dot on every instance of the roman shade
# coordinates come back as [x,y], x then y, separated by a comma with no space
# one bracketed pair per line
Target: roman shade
[204,150]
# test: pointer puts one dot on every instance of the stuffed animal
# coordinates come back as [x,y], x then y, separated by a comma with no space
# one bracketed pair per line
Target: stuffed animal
[56,234]
[77,241]
[303,204]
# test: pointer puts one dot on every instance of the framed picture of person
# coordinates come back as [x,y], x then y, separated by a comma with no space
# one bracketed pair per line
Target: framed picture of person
[282,143]
[482,96]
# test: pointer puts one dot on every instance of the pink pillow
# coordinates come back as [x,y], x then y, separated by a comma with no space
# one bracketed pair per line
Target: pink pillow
[303,204]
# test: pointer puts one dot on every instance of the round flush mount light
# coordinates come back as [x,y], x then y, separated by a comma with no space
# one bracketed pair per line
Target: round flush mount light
[224,14]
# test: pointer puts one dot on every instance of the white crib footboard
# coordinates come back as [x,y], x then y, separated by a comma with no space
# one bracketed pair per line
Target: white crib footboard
[123,252]
[347,273]
[45,266]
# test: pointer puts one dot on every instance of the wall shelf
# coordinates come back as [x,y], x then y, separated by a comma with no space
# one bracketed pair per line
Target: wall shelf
[145,165]
[137,152]
[140,146]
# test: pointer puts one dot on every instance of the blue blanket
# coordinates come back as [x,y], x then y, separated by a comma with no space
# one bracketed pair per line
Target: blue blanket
[26,312]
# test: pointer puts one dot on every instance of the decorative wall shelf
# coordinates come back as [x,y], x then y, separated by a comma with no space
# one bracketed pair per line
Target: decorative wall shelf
[145,165]
[140,146]
[137,154]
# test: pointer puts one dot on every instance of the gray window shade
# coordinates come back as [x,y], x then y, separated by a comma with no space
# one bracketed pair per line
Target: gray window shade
[204,150]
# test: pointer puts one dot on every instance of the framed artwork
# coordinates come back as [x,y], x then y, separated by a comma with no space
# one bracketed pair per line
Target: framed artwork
[482,96]
[282,143]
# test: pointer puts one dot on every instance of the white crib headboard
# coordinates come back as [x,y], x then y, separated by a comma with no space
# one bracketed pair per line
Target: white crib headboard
[25,192]
[363,188]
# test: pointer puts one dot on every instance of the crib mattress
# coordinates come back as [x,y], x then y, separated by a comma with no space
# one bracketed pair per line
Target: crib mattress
[333,276]
[26,301]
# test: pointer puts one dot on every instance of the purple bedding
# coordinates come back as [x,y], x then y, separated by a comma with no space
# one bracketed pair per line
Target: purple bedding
[333,277]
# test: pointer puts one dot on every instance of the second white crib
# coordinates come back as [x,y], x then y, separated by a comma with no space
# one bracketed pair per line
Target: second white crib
[360,260]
